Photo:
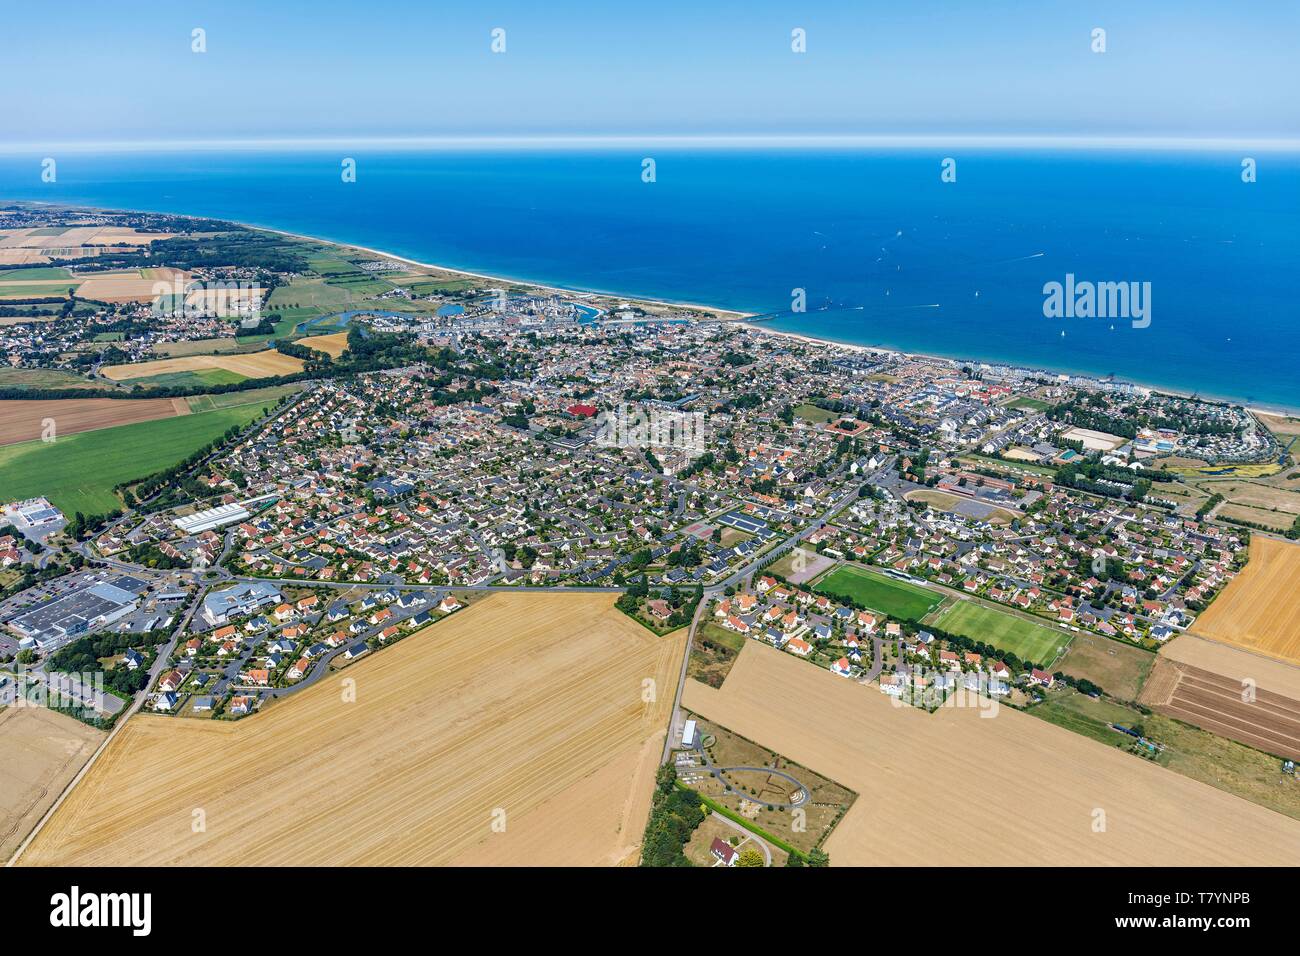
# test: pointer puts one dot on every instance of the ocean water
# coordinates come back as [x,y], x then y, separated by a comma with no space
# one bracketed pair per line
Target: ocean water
[885,251]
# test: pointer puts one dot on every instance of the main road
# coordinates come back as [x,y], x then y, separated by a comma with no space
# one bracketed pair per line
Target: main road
[677,718]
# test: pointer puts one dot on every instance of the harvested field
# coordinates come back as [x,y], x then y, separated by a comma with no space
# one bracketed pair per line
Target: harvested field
[1252,494]
[1270,520]
[1261,719]
[34,238]
[21,420]
[1280,424]
[1234,663]
[132,286]
[40,752]
[1258,610]
[529,704]
[333,345]
[251,365]
[1011,790]
[22,257]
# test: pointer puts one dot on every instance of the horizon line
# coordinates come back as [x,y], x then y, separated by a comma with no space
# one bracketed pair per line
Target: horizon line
[671,140]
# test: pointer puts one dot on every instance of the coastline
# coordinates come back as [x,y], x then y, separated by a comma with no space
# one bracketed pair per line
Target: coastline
[746,319]
[718,314]
[721,315]
[1256,409]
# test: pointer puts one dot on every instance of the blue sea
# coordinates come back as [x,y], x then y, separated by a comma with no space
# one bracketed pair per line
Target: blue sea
[887,253]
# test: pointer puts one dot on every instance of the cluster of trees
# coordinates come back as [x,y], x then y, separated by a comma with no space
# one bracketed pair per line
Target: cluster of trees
[265,327]
[314,361]
[83,526]
[1077,413]
[83,656]
[675,812]
[150,556]
[1092,411]
[1093,477]
[527,555]
[1081,684]
[234,246]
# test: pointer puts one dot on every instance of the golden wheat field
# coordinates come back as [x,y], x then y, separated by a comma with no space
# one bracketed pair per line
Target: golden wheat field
[251,364]
[138,285]
[40,751]
[955,788]
[333,345]
[523,709]
[1258,610]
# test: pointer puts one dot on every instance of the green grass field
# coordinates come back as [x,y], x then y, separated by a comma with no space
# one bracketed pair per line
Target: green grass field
[897,599]
[1030,404]
[262,397]
[38,378]
[36,273]
[310,294]
[426,285]
[811,413]
[1025,639]
[78,472]
[196,378]
[44,289]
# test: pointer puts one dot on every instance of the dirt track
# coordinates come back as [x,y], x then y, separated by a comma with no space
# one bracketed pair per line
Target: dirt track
[955,788]
[530,704]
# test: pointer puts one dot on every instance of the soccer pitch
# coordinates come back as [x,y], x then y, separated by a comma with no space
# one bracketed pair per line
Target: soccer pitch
[896,599]
[1027,640]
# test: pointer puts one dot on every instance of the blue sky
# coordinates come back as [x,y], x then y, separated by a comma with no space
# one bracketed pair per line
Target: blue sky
[90,71]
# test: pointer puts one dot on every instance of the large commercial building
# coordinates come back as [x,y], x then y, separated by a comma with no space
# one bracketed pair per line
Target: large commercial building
[202,521]
[221,606]
[88,609]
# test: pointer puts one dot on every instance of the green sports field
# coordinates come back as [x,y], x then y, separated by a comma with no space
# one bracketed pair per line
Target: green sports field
[1027,640]
[78,472]
[896,599]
